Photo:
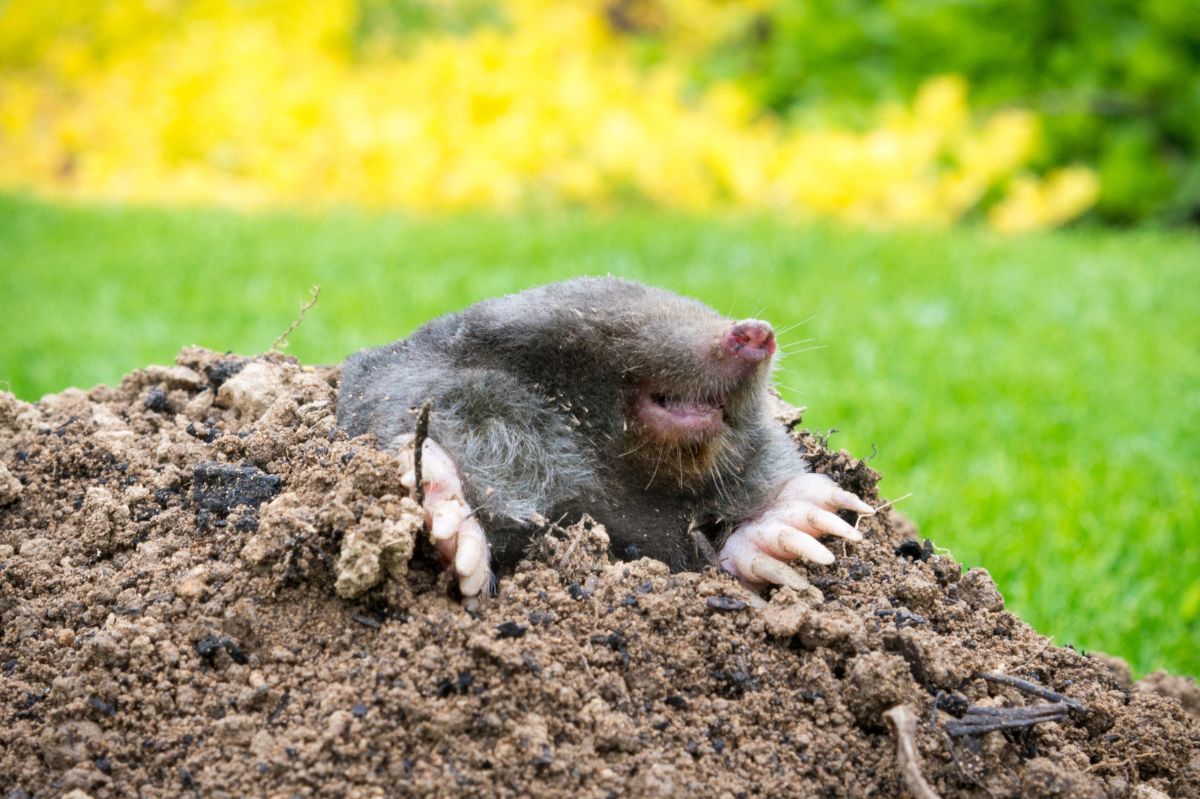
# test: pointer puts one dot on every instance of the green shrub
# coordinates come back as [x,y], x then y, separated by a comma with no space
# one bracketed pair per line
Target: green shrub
[1116,81]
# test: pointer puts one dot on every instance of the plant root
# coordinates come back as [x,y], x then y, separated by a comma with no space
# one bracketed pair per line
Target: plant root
[903,722]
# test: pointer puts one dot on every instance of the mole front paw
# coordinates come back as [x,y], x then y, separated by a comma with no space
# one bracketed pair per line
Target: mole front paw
[759,551]
[452,526]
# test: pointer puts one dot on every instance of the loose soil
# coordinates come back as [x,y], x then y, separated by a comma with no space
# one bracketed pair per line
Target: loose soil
[175,557]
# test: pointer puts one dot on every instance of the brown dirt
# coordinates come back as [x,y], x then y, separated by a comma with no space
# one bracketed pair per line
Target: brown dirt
[171,627]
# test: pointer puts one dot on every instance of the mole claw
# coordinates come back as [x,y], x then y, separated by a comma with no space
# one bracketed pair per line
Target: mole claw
[471,560]
[458,536]
[474,583]
[766,569]
[445,520]
[466,559]
[847,501]
[757,551]
[818,521]
[801,545]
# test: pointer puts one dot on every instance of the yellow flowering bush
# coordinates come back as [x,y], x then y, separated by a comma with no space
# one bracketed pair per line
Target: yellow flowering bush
[278,101]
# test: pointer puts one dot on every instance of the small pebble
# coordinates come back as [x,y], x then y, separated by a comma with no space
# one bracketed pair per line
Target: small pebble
[725,603]
[510,629]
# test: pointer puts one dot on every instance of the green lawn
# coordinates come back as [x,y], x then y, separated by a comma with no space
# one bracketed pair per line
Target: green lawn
[1039,397]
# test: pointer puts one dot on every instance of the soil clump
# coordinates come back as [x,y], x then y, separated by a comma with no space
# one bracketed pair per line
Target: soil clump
[206,589]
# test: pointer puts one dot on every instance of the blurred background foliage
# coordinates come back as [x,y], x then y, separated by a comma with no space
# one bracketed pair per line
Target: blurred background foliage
[1024,114]
[1115,83]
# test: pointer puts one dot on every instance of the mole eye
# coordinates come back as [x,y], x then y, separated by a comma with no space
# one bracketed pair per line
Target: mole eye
[659,399]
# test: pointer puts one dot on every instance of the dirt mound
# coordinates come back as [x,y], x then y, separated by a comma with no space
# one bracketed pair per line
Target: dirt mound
[171,556]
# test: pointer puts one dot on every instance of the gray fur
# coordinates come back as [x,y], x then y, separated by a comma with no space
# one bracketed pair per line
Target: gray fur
[531,395]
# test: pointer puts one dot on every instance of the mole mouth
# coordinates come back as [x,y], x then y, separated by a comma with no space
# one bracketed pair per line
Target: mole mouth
[675,417]
[674,403]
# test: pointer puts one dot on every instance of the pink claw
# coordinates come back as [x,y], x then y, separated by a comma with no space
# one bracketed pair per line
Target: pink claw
[458,536]
[760,551]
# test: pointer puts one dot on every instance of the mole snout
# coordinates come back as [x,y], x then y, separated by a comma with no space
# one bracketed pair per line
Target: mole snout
[750,340]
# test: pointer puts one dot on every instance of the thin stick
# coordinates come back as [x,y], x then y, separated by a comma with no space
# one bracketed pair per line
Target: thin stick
[980,720]
[550,526]
[887,504]
[281,343]
[703,545]
[419,444]
[1014,712]
[903,722]
[891,502]
[572,542]
[1045,645]
[1034,689]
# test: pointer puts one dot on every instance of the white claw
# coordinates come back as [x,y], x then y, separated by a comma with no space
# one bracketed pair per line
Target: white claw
[471,560]
[737,558]
[819,489]
[445,520]
[466,559]
[746,554]
[846,501]
[818,521]
[474,583]
[458,536]
[800,545]
[759,550]
[765,569]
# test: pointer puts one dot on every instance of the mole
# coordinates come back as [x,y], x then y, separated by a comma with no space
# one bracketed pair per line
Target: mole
[646,410]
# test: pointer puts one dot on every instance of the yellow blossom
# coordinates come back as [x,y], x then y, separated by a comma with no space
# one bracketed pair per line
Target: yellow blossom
[1033,203]
[275,101]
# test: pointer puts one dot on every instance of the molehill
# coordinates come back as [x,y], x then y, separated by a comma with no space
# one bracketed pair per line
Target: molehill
[207,590]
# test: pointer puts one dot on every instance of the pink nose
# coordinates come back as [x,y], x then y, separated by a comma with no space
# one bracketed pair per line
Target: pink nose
[750,340]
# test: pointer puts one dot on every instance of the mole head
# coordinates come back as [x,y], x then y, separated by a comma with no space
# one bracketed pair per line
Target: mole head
[690,385]
[706,373]
[675,381]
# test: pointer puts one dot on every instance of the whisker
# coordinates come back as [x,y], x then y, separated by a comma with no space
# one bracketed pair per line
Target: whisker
[795,325]
[658,463]
[806,349]
[718,480]
[733,301]
[635,449]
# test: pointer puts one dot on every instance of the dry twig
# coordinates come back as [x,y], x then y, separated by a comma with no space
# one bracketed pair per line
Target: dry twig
[281,343]
[1034,689]
[421,434]
[903,722]
[979,720]
[703,546]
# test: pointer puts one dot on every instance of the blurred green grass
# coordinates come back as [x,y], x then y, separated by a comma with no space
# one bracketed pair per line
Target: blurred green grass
[1039,397]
